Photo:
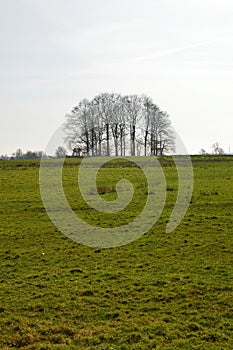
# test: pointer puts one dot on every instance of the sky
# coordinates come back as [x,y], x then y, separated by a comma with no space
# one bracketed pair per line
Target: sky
[53,53]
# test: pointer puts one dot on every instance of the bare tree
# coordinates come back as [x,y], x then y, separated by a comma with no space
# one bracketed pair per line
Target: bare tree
[19,154]
[217,149]
[164,137]
[99,125]
[77,126]
[147,112]
[133,115]
[117,124]
[104,106]
[60,152]
[203,152]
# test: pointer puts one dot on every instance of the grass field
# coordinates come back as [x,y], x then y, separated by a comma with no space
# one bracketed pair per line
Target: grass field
[163,291]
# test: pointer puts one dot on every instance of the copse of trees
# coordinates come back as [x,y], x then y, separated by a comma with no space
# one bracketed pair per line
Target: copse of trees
[112,124]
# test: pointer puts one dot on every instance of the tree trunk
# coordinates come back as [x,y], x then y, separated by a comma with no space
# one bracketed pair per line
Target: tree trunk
[116,146]
[107,137]
[121,141]
[87,143]
[132,140]
[145,142]
[92,142]
[151,143]
[100,148]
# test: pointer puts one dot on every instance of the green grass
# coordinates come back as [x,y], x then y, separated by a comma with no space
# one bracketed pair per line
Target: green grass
[163,291]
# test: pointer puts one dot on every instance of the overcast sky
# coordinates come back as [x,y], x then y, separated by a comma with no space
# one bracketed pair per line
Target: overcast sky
[56,52]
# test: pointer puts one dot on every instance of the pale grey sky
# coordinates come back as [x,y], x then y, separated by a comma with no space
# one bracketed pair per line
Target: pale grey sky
[56,52]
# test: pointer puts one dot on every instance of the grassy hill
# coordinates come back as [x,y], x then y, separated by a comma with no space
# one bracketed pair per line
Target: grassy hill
[163,291]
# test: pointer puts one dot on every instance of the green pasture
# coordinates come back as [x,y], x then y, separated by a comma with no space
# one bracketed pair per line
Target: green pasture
[163,291]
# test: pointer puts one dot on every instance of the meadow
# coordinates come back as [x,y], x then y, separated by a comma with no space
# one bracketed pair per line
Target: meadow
[162,291]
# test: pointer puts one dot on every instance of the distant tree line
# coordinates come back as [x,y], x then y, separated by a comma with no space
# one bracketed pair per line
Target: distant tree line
[19,154]
[112,124]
